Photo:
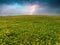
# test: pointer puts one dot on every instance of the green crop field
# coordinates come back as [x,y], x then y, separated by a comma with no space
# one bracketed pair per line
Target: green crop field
[29,30]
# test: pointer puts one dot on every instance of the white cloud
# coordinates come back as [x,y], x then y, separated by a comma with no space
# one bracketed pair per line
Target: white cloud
[17,9]
[26,9]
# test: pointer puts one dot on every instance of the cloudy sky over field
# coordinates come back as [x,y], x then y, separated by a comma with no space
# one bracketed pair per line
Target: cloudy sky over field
[12,7]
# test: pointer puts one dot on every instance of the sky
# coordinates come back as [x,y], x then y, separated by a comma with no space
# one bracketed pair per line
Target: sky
[15,7]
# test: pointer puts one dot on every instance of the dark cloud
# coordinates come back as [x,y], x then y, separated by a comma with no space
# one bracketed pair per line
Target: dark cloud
[45,6]
[54,3]
[50,2]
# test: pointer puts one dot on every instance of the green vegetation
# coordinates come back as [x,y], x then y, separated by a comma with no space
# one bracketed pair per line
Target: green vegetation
[30,30]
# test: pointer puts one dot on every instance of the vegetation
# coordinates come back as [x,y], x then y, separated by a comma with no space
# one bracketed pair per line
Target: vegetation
[30,30]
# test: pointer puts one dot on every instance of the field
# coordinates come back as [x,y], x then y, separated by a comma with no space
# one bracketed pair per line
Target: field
[29,30]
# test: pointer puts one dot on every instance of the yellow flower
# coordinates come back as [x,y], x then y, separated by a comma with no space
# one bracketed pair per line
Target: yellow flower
[3,43]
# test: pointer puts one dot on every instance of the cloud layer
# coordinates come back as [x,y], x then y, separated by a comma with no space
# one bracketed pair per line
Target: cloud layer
[13,7]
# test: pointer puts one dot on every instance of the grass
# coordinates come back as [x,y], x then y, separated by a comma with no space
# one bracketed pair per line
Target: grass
[29,30]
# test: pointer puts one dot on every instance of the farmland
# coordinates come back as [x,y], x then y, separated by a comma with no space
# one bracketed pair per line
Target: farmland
[29,30]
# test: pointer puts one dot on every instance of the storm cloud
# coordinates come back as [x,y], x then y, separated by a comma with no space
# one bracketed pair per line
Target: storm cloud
[11,7]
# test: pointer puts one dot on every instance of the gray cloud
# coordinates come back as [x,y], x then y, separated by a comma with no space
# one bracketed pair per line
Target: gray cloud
[23,9]
[12,7]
